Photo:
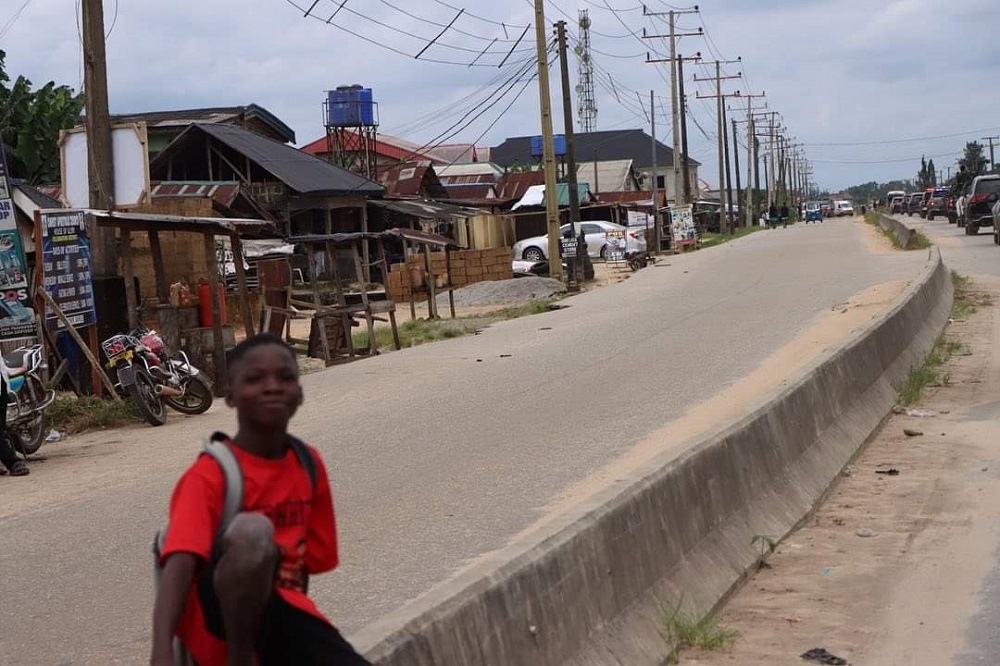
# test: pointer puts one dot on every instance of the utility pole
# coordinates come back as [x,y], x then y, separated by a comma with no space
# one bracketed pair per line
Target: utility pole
[686,176]
[656,192]
[736,166]
[720,113]
[548,143]
[100,166]
[751,160]
[729,181]
[674,107]
[574,193]
[990,140]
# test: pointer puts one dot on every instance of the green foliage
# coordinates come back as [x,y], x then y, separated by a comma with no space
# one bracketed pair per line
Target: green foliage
[926,177]
[70,414]
[871,191]
[30,121]
[682,631]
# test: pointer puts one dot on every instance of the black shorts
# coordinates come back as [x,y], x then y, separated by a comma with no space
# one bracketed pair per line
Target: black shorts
[288,636]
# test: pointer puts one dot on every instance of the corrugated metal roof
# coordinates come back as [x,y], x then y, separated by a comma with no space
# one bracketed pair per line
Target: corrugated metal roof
[535,196]
[514,185]
[224,193]
[478,170]
[426,209]
[480,191]
[220,115]
[396,232]
[610,176]
[219,225]
[410,180]
[37,196]
[301,172]
[632,144]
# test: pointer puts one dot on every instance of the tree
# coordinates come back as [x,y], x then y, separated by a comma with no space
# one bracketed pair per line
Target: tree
[973,159]
[30,122]
[926,177]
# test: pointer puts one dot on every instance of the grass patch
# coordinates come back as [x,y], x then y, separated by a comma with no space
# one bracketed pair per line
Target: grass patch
[711,238]
[918,241]
[421,331]
[966,302]
[69,414]
[683,632]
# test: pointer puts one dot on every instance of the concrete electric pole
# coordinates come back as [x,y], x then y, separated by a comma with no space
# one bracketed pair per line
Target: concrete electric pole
[720,113]
[990,140]
[548,143]
[574,192]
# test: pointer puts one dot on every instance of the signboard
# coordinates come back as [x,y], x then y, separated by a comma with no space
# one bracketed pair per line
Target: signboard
[17,319]
[131,165]
[682,223]
[66,272]
[639,219]
[569,246]
[616,246]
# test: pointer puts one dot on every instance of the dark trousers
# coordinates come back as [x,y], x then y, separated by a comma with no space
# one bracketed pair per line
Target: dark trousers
[8,456]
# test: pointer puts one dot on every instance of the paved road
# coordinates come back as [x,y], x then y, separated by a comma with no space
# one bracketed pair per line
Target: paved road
[438,454]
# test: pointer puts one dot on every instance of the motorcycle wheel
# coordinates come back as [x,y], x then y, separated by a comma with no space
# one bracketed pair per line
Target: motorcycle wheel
[30,435]
[197,397]
[143,392]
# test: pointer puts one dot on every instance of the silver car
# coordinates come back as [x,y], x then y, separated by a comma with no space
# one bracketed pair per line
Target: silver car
[595,234]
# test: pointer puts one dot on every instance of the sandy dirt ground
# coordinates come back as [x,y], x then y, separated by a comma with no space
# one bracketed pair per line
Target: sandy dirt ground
[889,571]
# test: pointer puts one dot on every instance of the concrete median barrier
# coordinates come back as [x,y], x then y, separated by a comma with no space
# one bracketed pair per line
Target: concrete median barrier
[903,234]
[591,590]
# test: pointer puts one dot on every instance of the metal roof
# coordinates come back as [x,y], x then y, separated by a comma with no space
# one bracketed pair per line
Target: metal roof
[151,222]
[300,171]
[426,209]
[396,232]
[632,144]
[172,120]
[224,192]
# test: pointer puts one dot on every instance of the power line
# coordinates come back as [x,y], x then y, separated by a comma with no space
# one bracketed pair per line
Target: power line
[13,19]
[919,138]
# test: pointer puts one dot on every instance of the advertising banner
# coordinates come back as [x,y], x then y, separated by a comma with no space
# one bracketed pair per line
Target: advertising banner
[682,223]
[66,271]
[17,319]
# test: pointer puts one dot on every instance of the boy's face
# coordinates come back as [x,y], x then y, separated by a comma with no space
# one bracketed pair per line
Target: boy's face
[264,387]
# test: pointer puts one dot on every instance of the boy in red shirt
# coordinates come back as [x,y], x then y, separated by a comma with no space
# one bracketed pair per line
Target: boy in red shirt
[241,599]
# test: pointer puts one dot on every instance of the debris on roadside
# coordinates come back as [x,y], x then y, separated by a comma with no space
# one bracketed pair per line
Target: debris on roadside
[866,532]
[919,413]
[53,436]
[909,432]
[888,470]
[822,656]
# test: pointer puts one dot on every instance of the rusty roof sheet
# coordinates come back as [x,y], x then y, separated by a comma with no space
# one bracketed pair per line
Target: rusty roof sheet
[514,185]
[153,222]
[224,193]
[407,180]
[396,232]
[426,209]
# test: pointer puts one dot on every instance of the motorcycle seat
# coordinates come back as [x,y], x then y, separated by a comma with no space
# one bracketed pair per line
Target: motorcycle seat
[16,362]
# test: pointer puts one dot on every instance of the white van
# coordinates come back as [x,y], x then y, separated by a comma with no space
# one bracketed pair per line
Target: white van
[843,208]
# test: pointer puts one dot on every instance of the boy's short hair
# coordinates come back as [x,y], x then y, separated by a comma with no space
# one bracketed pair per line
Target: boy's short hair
[237,353]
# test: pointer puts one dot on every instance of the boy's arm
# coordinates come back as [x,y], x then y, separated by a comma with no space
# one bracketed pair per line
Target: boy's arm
[171,597]
[321,536]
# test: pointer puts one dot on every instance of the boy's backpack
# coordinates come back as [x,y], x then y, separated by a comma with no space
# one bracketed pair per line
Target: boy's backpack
[217,448]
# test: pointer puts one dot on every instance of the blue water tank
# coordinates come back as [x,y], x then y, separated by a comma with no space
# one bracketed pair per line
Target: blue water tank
[538,148]
[350,106]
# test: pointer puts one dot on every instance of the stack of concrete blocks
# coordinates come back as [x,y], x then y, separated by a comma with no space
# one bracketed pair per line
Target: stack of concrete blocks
[467,267]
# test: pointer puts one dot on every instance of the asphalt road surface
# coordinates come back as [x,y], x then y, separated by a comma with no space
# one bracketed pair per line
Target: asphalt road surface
[437,454]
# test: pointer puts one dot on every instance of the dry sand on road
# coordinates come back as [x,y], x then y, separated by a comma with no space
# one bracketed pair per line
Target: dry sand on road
[904,595]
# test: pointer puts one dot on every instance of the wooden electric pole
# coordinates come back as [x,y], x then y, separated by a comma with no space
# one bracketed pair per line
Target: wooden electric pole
[100,165]
[548,143]
[576,264]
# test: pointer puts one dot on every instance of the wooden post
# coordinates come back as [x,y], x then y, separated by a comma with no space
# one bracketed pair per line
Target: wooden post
[385,279]
[132,299]
[450,285]
[432,312]
[243,294]
[162,288]
[338,283]
[372,344]
[95,368]
[318,322]
[218,347]
[364,243]
[409,279]
[79,341]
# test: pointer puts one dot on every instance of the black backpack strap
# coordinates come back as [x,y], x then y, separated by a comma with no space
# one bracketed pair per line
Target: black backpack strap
[305,456]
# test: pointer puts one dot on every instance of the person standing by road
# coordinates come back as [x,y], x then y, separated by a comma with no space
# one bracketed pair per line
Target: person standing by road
[772,216]
[8,454]
[783,213]
[237,595]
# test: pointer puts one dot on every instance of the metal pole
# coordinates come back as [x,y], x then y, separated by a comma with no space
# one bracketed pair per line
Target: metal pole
[729,180]
[548,143]
[750,163]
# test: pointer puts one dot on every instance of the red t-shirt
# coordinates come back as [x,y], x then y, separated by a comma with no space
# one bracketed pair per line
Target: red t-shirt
[304,530]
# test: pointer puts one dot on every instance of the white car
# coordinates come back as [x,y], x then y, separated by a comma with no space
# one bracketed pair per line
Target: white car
[595,234]
[843,208]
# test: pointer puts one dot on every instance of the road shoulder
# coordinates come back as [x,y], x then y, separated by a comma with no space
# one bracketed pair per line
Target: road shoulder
[889,570]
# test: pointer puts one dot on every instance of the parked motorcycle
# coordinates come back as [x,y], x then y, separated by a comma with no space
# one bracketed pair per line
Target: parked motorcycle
[27,397]
[153,378]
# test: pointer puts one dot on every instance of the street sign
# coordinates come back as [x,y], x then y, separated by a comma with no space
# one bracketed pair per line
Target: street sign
[568,247]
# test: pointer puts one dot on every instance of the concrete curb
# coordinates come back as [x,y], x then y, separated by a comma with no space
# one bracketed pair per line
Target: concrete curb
[678,531]
[904,235]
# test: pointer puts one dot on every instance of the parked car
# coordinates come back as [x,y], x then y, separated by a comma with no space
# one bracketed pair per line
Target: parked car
[937,202]
[595,234]
[996,223]
[896,205]
[924,199]
[841,208]
[912,203]
[983,193]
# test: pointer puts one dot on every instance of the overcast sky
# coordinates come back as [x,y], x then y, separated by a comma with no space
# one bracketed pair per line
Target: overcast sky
[838,71]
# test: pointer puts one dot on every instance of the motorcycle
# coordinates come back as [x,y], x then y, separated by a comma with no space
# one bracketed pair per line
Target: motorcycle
[153,378]
[27,397]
